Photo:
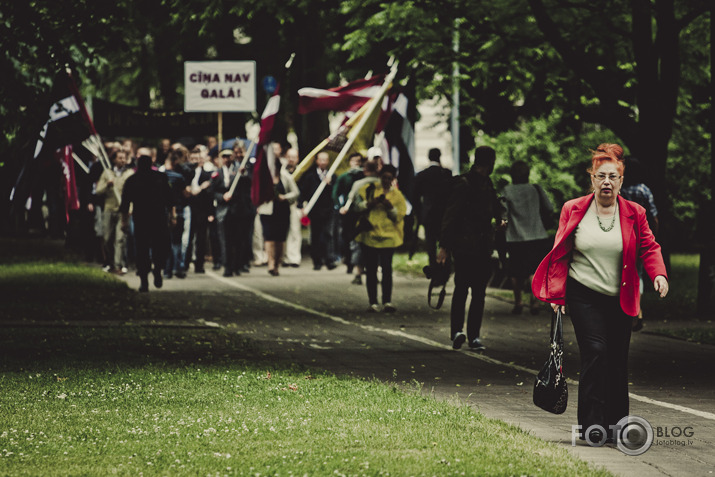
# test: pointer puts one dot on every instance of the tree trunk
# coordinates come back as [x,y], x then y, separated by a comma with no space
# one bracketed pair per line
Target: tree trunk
[706,274]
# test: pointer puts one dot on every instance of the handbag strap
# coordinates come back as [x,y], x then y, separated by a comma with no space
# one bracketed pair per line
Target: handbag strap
[557,328]
[440,299]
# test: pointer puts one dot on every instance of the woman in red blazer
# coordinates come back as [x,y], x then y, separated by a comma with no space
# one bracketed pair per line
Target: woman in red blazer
[592,269]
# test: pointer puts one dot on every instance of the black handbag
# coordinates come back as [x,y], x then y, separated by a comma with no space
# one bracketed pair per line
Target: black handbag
[438,276]
[550,390]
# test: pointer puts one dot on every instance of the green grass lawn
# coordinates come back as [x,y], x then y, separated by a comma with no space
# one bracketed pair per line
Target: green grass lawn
[129,400]
[133,400]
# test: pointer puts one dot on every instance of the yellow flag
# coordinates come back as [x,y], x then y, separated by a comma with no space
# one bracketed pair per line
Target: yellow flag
[363,138]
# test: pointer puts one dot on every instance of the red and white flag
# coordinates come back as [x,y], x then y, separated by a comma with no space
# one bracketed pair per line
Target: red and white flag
[262,180]
[64,155]
[350,97]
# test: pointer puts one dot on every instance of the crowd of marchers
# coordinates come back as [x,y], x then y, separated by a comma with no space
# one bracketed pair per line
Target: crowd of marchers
[210,220]
[172,209]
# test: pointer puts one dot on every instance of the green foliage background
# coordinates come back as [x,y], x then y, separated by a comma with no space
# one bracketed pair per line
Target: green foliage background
[541,80]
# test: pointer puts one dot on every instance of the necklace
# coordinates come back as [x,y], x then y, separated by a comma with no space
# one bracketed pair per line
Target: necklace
[613,220]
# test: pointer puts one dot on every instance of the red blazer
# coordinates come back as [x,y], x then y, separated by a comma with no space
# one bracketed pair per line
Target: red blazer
[549,283]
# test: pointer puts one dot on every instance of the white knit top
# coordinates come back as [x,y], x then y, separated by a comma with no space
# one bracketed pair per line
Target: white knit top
[597,255]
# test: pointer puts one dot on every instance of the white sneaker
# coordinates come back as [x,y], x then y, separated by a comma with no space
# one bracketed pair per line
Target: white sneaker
[106,268]
[458,340]
[124,270]
[374,308]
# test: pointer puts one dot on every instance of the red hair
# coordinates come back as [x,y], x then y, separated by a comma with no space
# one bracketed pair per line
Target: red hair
[607,152]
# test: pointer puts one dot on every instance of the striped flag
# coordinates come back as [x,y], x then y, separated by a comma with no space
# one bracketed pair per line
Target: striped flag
[262,180]
[350,97]
[363,138]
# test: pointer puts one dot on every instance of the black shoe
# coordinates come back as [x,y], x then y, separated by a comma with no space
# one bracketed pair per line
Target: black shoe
[317,267]
[180,274]
[596,436]
[158,281]
[477,345]
[216,266]
[245,269]
[274,272]
[144,287]
[458,340]
[199,270]
[331,266]
[227,274]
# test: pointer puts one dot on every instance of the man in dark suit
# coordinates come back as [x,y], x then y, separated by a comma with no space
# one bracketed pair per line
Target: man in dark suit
[429,195]
[201,203]
[321,215]
[151,196]
[234,212]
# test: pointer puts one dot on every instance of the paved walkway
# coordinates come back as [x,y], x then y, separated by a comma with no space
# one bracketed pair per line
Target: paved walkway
[319,319]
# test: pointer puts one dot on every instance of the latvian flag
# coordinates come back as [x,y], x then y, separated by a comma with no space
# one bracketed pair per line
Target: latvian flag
[262,181]
[350,97]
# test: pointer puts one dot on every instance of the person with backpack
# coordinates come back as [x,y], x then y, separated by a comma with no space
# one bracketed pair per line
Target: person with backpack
[468,236]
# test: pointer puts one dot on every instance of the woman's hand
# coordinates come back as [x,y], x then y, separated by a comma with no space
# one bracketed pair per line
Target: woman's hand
[661,285]
[556,307]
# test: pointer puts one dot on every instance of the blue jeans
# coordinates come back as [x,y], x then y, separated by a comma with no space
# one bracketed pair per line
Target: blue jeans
[175,259]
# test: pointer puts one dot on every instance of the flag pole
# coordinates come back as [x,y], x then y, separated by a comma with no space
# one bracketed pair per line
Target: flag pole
[94,137]
[351,139]
[219,142]
[234,183]
[80,163]
[307,160]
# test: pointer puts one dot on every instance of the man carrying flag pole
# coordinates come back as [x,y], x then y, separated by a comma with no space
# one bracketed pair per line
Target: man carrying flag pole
[368,113]
[67,124]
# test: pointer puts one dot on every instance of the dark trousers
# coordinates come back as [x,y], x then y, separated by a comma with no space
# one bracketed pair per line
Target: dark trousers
[603,333]
[245,241]
[234,232]
[152,245]
[470,272]
[374,257]
[216,243]
[321,238]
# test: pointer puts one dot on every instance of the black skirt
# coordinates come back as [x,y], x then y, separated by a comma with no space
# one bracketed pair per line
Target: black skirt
[275,226]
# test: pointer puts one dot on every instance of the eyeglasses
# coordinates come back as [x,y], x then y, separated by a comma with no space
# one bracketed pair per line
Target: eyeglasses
[600,177]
